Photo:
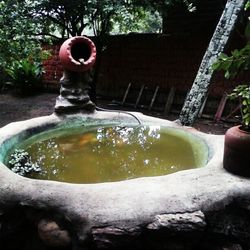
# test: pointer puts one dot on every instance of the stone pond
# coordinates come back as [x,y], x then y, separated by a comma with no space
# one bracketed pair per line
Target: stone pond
[159,212]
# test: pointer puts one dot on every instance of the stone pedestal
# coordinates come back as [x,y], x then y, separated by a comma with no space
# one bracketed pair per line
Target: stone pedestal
[74,95]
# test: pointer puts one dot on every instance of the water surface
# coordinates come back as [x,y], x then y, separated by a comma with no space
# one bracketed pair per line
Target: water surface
[114,153]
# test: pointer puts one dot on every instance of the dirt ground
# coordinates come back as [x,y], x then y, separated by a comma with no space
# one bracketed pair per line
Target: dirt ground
[16,108]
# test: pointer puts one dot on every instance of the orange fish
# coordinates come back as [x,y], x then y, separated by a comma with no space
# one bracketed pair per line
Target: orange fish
[86,138]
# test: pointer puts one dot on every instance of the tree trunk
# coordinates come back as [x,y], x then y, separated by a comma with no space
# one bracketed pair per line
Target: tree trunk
[216,46]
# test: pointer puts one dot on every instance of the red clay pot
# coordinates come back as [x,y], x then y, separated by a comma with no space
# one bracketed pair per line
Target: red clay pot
[237,151]
[78,54]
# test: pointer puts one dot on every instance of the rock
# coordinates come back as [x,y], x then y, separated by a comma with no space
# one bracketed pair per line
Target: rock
[51,233]
[220,244]
[180,222]
[111,237]
[232,247]
[231,222]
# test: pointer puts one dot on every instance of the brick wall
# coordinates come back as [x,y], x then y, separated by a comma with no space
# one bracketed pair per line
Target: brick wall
[140,59]
[152,60]
[52,67]
[156,60]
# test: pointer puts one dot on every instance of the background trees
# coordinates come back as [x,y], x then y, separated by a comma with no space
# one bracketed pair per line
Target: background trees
[72,18]
[15,30]
[24,24]
[17,42]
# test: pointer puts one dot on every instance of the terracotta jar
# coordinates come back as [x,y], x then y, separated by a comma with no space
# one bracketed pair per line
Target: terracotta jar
[237,151]
[78,54]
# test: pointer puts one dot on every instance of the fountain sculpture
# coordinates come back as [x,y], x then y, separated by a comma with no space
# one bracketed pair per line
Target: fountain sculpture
[77,56]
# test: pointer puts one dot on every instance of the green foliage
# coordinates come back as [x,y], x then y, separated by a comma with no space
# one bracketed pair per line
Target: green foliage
[25,23]
[137,20]
[238,60]
[247,6]
[242,94]
[71,18]
[22,23]
[16,29]
[19,48]
[24,73]
[62,18]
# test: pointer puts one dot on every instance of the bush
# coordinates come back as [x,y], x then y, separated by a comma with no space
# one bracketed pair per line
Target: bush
[26,74]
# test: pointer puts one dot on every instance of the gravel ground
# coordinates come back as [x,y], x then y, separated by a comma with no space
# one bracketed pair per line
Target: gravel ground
[15,108]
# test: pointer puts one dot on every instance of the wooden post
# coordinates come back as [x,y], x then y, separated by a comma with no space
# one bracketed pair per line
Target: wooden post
[203,106]
[170,100]
[220,108]
[139,96]
[153,98]
[126,94]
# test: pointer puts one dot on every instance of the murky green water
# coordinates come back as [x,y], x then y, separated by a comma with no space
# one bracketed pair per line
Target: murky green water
[115,153]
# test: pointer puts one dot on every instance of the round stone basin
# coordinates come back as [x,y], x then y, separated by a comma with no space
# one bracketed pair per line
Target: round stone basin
[131,202]
[109,153]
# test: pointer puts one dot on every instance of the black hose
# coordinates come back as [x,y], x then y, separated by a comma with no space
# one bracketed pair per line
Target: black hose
[119,111]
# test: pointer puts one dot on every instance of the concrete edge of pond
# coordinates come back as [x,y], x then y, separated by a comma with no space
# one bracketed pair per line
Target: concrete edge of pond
[125,207]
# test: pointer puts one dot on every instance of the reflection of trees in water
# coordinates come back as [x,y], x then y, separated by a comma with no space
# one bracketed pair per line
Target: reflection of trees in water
[116,137]
[142,136]
[111,153]
[122,147]
[49,157]
[126,146]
